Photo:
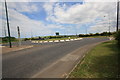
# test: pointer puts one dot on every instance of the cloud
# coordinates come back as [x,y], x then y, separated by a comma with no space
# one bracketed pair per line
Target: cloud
[84,14]
[79,13]
[58,15]
[48,7]
[23,6]
[60,0]
[27,26]
[103,26]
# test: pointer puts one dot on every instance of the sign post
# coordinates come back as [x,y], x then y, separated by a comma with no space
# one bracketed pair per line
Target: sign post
[19,35]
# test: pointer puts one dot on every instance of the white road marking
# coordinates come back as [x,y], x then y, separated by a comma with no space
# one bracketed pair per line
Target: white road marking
[45,41]
[67,40]
[62,40]
[56,41]
[50,41]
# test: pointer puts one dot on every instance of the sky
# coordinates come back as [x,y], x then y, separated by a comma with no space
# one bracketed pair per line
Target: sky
[68,18]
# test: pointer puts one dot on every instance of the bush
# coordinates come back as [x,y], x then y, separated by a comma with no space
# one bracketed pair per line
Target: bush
[117,36]
[5,39]
[25,39]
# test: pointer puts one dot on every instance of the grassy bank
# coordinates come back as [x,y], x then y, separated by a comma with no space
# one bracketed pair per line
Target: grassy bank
[100,62]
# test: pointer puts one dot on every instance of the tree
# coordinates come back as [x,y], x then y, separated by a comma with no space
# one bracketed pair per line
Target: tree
[5,39]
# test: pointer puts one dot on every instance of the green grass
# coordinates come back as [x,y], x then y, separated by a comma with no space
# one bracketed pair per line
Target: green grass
[4,42]
[95,37]
[0,41]
[100,62]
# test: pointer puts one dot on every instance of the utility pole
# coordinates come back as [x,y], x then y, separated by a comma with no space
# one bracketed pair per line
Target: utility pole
[109,24]
[31,34]
[9,37]
[86,29]
[76,31]
[117,16]
[19,35]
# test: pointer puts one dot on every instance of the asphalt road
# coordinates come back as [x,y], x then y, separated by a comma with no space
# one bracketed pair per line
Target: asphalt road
[28,62]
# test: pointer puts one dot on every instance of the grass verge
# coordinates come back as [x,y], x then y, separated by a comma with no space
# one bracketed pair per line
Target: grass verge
[100,62]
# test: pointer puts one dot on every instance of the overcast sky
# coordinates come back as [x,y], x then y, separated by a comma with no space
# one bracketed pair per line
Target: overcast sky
[46,18]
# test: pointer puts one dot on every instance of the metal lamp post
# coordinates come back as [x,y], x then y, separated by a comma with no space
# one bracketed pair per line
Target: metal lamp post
[9,37]
[117,16]
[108,24]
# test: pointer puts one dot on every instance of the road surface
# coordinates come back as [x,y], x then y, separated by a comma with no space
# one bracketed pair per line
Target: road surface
[28,62]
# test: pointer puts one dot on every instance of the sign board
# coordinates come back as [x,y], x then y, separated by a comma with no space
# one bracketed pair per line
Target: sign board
[57,33]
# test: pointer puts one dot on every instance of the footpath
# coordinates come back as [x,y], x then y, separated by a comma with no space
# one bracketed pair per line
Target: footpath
[6,49]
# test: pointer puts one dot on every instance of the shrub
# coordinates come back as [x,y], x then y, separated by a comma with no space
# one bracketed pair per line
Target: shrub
[117,37]
[5,39]
[25,39]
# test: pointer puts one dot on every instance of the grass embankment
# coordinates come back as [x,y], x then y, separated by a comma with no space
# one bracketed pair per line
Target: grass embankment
[4,42]
[95,36]
[100,62]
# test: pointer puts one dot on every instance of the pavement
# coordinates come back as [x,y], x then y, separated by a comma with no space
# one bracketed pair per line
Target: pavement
[6,49]
[46,61]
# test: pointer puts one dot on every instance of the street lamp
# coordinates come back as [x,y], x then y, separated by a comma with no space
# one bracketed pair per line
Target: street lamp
[117,16]
[8,25]
[86,29]
[108,24]
[76,31]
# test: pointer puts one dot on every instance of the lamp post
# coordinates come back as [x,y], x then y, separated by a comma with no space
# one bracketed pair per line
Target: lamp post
[117,16]
[76,31]
[86,29]
[108,24]
[9,37]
